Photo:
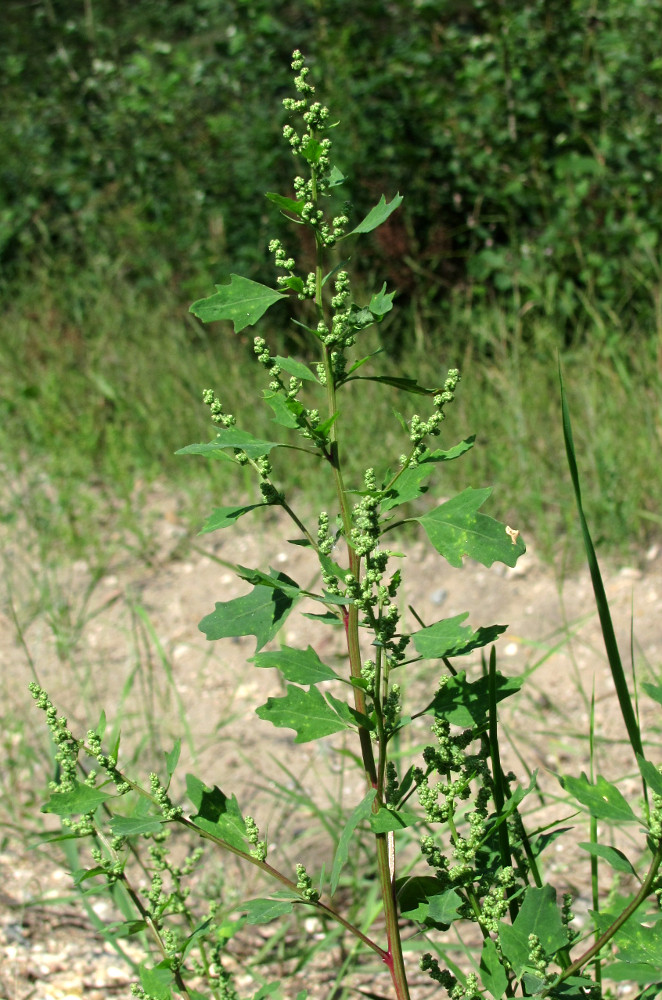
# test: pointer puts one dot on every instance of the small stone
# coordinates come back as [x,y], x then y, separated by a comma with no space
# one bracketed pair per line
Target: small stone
[438,596]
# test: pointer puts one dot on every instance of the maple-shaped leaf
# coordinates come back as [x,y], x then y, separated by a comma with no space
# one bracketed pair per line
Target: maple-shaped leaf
[303,666]
[450,637]
[377,215]
[242,301]
[307,712]
[457,529]
[260,613]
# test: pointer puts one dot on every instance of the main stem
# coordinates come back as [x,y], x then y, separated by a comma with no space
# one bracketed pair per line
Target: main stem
[385,847]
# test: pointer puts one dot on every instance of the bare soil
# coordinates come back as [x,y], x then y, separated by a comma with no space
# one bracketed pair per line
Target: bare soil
[111,643]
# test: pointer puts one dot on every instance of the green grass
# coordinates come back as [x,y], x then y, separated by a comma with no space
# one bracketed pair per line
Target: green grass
[99,386]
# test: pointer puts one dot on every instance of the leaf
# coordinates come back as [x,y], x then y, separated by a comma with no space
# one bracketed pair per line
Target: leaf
[195,936]
[231,437]
[306,712]
[388,820]
[359,814]
[650,774]
[287,412]
[261,613]
[450,638]
[408,485]
[456,529]
[381,302]
[539,915]
[263,911]
[216,813]
[81,799]
[134,826]
[492,972]
[156,981]
[638,972]
[287,204]
[242,301]
[172,758]
[639,943]
[603,800]
[423,899]
[611,855]
[303,666]
[653,691]
[273,579]
[466,703]
[223,517]
[296,369]
[377,215]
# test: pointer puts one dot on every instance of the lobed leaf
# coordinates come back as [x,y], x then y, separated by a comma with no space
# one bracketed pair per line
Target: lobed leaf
[303,666]
[216,813]
[242,301]
[231,437]
[466,703]
[307,712]
[80,800]
[377,215]
[408,484]
[261,613]
[450,638]
[602,800]
[456,529]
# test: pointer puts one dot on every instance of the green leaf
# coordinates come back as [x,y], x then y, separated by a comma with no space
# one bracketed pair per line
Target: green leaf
[231,437]
[653,691]
[539,915]
[611,855]
[456,529]
[638,943]
[306,712]
[381,302]
[286,204]
[242,301]
[172,758]
[263,911]
[193,938]
[273,579]
[650,774]
[377,215]
[296,369]
[81,799]
[223,517]
[287,412]
[638,972]
[362,811]
[303,666]
[216,813]
[422,899]
[450,638]
[157,980]
[603,800]
[134,826]
[261,613]
[388,820]
[408,485]
[466,703]
[492,972]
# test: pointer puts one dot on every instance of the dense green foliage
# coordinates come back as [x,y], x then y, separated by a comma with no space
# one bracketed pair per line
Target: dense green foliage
[526,136]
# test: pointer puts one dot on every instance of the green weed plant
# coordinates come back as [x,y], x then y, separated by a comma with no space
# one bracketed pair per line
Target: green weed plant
[478,873]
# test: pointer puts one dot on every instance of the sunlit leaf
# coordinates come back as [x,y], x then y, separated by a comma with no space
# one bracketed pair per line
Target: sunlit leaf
[231,437]
[377,215]
[408,485]
[303,666]
[242,301]
[260,613]
[223,517]
[611,855]
[602,799]
[216,813]
[450,638]
[263,911]
[456,529]
[466,703]
[360,813]
[81,799]
[307,712]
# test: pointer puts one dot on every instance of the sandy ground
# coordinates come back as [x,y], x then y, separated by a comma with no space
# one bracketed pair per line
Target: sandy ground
[115,647]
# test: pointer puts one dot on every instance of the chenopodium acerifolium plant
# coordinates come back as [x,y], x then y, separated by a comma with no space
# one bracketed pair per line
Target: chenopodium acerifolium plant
[478,867]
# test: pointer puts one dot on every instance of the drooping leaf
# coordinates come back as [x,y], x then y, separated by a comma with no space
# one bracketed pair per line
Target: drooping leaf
[263,911]
[456,529]
[361,812]
[261,613]
[216,813]
[377,215]
[231,437]
[223,517]
[307,712]
[242,301]
[602,799]
[492,971]
[450,638]
[81,799]
[611,855]
[466,703]
[193,938]
[287,412]
[302,666]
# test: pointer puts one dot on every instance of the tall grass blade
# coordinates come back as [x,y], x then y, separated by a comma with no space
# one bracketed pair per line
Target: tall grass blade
[606,624]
